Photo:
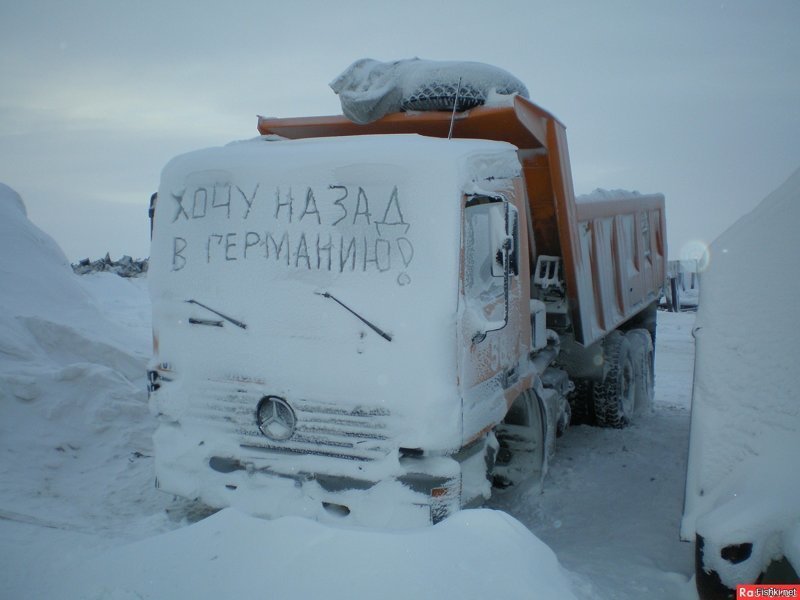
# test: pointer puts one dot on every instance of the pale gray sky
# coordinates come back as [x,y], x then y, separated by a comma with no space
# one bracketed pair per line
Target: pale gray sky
[698,100]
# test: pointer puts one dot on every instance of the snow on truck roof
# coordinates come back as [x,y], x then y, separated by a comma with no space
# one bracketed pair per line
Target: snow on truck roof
[408,147]
[289,160]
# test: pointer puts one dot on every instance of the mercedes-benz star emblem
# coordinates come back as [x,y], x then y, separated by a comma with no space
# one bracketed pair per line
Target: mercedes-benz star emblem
[275,418]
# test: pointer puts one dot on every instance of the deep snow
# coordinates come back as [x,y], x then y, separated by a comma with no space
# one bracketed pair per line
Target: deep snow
[612,502]
[79,516]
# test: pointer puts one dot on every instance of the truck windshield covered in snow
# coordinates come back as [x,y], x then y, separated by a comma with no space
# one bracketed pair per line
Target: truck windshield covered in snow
[324,261]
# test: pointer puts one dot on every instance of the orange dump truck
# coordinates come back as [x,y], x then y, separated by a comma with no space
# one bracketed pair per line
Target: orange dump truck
[382,323]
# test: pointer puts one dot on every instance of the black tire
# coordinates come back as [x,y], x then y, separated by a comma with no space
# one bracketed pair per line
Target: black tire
[522,455]
[442,96]
[615,397]
[643,361]
[709,586]
[581,401]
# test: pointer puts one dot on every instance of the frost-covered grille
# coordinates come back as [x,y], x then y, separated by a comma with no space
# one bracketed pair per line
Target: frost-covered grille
[323,429]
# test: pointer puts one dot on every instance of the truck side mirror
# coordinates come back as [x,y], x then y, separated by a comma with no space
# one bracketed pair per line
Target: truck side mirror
[513,236]
[151,212]
[504,223]
[504,243]
[497,236]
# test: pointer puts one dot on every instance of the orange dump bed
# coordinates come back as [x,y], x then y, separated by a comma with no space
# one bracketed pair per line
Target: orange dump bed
[613,250]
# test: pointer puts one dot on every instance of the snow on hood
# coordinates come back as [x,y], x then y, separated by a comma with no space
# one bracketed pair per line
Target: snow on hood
[745,408]
[369,89]
[298,558]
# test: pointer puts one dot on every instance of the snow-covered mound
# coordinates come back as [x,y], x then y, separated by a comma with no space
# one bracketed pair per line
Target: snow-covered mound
[369,89]
[10,196]
[72,397]
[36,274]
[745,435]
[475,554]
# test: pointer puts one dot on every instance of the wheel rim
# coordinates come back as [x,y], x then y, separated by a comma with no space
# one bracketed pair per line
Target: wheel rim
[536,427]
[523,458]
[649,377]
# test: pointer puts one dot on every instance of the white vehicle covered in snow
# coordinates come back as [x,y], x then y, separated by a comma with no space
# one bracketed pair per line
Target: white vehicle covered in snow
[742,493]
[374,322]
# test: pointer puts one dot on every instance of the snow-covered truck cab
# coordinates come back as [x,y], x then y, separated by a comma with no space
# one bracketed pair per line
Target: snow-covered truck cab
[339,323]
[364,319]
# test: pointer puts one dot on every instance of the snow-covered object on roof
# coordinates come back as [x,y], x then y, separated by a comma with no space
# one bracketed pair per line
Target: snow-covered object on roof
[369,89]
[745,434]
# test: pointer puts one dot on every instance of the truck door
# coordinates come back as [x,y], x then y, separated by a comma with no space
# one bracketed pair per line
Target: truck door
[491,335]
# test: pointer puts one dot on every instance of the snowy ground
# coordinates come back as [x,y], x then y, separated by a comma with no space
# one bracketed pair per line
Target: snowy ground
[79,517]
[612,502]
[610,509]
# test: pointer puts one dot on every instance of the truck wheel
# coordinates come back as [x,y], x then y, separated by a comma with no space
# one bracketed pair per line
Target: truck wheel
[521,436]
[615,397]
[709,585]
[643,360]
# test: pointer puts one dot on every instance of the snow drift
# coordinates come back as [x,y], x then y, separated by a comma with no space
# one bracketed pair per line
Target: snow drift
[369,89]
[72,401]
[744,437]
[232,555]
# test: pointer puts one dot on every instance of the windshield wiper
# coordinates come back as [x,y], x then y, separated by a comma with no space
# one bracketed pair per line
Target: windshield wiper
[374,328]
[219,314]
[208,322]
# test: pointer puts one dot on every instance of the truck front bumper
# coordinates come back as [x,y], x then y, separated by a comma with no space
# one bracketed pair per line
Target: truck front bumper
[395,492]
